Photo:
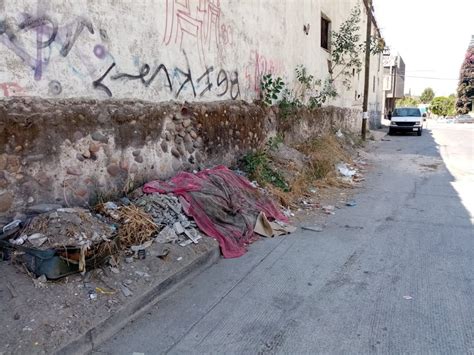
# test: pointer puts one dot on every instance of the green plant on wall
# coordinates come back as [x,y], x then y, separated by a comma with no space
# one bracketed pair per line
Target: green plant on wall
[271,88]
[313,92]
[346,54]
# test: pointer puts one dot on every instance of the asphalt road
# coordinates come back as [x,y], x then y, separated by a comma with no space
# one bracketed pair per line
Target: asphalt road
[394,274]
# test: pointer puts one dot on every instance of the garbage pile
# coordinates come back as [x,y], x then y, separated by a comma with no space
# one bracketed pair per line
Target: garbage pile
[216,202]
[65,227]
[224,205]
[60,242]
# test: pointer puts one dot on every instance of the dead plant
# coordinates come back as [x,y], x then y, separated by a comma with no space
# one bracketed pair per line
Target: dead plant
[136,227]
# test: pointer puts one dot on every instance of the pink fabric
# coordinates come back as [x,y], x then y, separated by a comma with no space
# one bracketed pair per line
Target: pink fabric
[223,204]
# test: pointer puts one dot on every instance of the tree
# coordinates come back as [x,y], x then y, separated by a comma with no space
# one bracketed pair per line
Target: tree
[427,95]
[443,106]
[466,82]
[408,101]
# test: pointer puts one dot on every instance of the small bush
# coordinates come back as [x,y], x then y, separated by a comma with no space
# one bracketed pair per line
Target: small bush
[257,166]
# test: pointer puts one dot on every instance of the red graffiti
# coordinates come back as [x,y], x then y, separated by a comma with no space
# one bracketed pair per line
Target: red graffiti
[258,67]
[198,20]
[12,89]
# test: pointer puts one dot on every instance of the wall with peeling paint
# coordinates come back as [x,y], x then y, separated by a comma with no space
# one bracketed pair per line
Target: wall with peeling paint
[185,50]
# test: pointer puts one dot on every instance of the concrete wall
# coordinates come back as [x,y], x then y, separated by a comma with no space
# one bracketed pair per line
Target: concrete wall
[193,50]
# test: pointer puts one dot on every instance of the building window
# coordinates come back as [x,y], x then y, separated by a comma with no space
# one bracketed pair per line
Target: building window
[373,85]
[325,32]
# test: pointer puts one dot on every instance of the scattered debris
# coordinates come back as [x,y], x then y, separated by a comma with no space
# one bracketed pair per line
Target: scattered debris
[115,270]
[104,292]
[328,209]
[92,294]
[126,291]
[353,227]
[345,171]
[178,228]
[408,297]
[40,282]
[269,229]
[315,228]
[11,226]
[167,235]
[351,203]
[37,239]
[142,274]
[189,241]
[339,134]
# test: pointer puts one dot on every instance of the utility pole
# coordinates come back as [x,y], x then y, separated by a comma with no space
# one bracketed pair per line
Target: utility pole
[365,103]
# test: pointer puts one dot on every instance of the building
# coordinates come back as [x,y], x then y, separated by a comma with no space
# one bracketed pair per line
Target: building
[98,94]
[194,50]
[393,79]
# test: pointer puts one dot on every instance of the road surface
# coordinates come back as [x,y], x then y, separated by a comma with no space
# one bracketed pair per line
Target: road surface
[395,274]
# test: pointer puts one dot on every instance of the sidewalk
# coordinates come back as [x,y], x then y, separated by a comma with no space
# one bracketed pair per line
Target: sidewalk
[72,315]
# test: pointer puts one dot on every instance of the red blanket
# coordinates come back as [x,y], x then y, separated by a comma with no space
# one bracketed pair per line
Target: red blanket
[223,204]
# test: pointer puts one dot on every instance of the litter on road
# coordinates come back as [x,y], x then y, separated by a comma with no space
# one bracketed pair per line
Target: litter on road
[315,228]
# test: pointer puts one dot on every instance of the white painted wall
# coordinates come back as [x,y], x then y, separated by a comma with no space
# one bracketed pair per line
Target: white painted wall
[114,48]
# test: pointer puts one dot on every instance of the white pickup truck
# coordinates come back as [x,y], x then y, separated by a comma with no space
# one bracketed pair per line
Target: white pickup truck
[407,119]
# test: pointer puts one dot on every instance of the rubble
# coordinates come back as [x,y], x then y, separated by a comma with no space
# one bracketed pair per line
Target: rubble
[73,227]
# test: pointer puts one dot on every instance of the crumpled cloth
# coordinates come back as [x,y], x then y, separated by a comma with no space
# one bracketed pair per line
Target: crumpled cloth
[224,205]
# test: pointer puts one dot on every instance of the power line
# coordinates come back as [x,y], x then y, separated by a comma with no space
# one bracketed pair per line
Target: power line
[426,77]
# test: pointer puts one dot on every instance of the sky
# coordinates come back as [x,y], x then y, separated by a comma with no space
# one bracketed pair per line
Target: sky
[431,36]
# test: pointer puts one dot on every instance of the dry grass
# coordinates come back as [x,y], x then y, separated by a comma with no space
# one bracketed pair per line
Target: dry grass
[324,153]
[137,227]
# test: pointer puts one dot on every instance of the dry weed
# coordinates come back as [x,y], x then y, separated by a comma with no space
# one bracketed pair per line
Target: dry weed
[324,153]
[136,227]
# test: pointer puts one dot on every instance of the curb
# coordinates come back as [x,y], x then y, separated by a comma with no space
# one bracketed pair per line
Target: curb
[108,327]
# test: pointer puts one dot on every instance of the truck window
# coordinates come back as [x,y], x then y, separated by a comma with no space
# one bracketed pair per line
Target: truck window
[406,112]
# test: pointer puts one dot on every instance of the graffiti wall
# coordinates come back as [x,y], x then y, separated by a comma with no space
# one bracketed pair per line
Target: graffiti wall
[185,50]
[152,50]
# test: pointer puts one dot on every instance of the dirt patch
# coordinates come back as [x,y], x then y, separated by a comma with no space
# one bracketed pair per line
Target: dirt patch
[42,317]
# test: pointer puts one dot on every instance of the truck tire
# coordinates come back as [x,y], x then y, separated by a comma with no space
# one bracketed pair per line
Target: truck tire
[419,132]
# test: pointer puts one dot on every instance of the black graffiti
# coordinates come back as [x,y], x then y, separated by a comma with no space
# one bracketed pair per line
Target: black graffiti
[72,38]
[184,78]
[31,22]
[143,72]
[234,83]
[206,75]
[97,84]
[221,79]
[55,87]
[165,71]
[47,32]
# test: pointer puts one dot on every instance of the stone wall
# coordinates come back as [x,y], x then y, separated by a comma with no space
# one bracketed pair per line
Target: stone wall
[71,151]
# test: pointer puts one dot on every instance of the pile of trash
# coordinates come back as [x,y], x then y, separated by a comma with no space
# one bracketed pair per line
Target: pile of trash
[65,227]
[60,242]
[224,206]
[216,202]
